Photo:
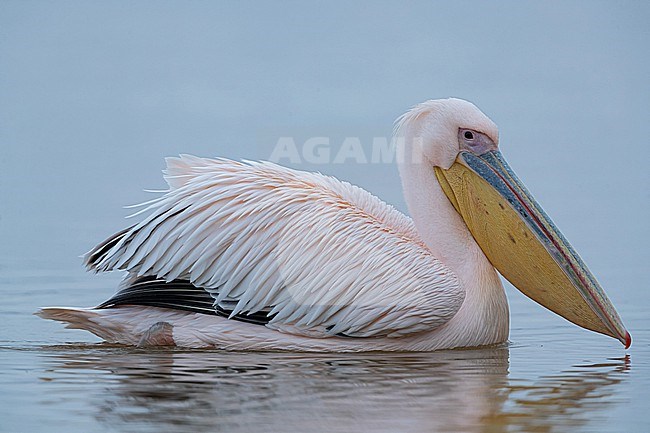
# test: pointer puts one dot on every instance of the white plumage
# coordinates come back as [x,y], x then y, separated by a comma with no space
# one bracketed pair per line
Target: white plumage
[332,266]
[322,256]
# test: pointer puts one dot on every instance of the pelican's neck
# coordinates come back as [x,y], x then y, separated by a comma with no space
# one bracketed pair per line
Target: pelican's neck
[483,318]
[437,222]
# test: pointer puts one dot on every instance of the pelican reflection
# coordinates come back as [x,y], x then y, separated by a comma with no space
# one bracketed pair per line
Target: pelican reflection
[467,390]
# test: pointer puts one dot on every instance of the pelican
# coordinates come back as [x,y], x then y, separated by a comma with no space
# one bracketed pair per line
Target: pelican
[256,256]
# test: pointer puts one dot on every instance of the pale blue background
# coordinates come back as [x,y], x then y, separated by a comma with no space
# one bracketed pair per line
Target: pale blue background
[93,96]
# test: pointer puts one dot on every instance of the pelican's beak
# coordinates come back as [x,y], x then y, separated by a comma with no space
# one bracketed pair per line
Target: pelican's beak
[522,242]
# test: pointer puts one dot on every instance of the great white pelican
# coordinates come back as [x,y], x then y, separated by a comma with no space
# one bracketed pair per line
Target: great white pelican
[255,256]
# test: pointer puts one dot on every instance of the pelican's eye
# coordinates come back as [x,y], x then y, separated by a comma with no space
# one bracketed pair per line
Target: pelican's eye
[474,141]
[470,137]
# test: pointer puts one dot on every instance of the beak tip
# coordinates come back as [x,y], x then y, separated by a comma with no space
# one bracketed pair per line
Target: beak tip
[628,340]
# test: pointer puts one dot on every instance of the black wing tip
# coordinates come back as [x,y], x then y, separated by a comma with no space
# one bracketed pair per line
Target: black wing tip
[152,291]
[92,258]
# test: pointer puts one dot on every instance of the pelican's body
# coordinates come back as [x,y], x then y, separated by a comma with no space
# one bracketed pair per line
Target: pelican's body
[255,256]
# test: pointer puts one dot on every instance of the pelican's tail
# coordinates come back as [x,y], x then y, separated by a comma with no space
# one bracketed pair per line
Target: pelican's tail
[118,325]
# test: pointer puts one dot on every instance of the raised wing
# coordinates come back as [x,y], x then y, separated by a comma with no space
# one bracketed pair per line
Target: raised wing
[320,257]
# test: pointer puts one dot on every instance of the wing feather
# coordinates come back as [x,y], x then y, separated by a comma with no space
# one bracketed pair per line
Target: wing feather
[321,256]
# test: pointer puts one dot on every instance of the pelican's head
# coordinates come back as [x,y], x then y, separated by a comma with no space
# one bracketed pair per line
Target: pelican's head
[460,143]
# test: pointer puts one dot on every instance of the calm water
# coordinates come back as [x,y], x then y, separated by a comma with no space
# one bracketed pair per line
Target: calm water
[551,377]
[94,95]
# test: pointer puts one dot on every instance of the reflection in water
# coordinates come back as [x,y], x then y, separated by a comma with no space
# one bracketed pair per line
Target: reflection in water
[444,391]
